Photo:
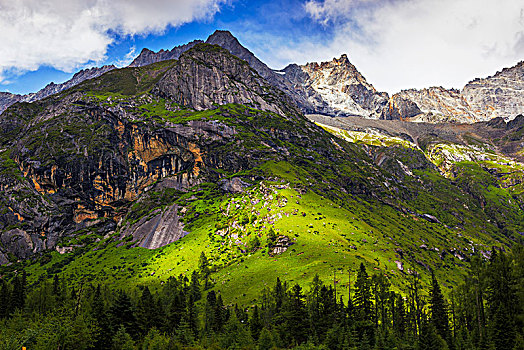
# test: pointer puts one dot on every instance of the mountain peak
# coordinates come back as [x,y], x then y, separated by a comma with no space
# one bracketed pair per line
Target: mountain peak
[226,34]
[225,39]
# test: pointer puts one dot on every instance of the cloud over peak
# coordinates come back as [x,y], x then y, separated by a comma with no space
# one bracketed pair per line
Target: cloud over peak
[400,43]
[67,34]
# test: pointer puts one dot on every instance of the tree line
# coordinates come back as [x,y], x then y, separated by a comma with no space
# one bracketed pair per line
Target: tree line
[187,312]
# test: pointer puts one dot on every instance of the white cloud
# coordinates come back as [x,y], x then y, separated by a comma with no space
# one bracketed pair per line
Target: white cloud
[418,43]
[127,59]
[67,34]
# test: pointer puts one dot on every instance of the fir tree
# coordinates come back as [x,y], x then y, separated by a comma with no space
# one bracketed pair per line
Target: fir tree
[502,301]
[122,313]
[5,296]
[122,340]
[439,311]
[255,324]
[147,313]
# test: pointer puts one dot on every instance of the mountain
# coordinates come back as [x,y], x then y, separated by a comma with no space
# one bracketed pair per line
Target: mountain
[337,88]
[497,96]
[433,105]
[331,88]
[147,56]
[7,100]
[128,177]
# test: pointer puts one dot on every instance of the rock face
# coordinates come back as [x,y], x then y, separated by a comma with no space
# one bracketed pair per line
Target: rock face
[147,56]
[52,88]
[500,95]
[71,160]
[337,88]
[480,100]
[433,105]
[7,99]
[164,228]
[227,41]
[208,76]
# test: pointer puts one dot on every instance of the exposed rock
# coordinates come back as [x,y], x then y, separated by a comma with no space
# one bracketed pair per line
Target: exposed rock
[163,228]
[17,242]
[497,96]
[430,218]
[234,185]
[337,88]
[78,78]
[3,259]
[147,56]
[433,105]
[206,76]
[7,99]
[500,95]
[281,245]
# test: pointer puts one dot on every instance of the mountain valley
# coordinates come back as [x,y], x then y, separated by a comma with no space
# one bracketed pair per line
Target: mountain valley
[126,177]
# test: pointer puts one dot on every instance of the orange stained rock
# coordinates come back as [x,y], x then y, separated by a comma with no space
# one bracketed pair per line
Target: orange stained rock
[197,154]
[84,215]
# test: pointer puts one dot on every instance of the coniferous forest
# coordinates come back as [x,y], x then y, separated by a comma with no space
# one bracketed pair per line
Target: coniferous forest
[187,312]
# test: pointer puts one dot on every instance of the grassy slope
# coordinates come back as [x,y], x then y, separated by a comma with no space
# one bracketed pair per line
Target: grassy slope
[327,237]
[331,230]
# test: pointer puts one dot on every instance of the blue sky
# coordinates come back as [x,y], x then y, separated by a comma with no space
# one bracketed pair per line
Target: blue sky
[396,44]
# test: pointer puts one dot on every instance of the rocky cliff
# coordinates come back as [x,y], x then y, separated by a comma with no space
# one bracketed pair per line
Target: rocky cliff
[432,105]
[74,161]
[497,96]
[500,95]
[337,88]
[7,99]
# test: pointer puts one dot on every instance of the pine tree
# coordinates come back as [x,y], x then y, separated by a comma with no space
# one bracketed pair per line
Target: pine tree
[175,312]
[235,334]
[205,271]
[5,296]
[255,324]
[221,314]
[266,340]
[363,298]
[439,311]
[502,301]
[363,305]
[19,293]
[146,312]
[122,340]
[194,288]
[100,316]
[210,324]
[429,339]
[295,314]
[122,313]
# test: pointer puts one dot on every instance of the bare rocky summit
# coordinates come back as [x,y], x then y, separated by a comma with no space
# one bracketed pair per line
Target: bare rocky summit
[497,96]
[337,88]
[147,56]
